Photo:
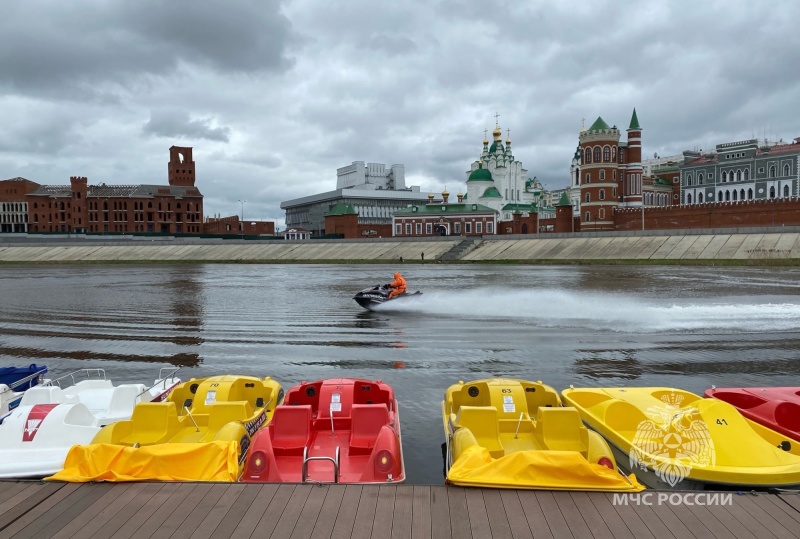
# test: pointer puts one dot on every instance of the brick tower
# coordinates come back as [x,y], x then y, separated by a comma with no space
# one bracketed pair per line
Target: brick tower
[599,176]
[632,184]
[180,170]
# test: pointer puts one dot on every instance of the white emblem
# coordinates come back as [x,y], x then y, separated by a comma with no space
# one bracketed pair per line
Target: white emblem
[672,442]
[32,426]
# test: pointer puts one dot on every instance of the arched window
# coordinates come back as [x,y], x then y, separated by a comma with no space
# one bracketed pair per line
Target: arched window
[596,154]
[738,175]
[746,174]
[735,195]
[588,197]
[772,171]
[602,194]
[749,194]
[724,176]
[105,205]
[689,179]
[727,196]
[786,169]
[613,153]
[588,178]
[602,174]
[772,191]
[606,153]
[700,178]
[588,216]
[741,194]
[150,205]
[588,158]
[785,190]
[688,198]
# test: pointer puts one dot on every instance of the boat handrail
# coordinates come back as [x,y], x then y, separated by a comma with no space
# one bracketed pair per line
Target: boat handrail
[162,379]
[22,381]
[334,460]
[100,373]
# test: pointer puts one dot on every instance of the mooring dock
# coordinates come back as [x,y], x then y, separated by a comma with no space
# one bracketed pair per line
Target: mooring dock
[105,510]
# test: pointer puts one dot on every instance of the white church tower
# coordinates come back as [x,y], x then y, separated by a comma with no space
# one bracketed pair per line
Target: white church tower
[498,181]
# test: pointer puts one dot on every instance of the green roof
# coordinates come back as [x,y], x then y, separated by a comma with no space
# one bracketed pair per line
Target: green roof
[480,175]
[494,146]
[342,209]
[492,192]
[438,209]
[599,125]
[662,181]
[531,208]
[564,200]
[634,121]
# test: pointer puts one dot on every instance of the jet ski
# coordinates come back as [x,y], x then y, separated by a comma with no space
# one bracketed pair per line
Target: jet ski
[369,298]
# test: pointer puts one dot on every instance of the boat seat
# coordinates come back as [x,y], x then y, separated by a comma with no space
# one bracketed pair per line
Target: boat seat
[222,413]
[151,422]
[291,429]
[561,429]
[787,415]
[482,422]
[623,416]
[366,423]
[123,399]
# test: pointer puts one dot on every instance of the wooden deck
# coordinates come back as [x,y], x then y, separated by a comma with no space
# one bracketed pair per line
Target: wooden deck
[103,510]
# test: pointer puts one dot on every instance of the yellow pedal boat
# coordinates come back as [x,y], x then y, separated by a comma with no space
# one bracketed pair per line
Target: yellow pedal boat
[201,433]
[510,433]
[675,439]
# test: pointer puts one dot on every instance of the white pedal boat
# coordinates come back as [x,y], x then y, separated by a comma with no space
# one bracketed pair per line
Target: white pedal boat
[36,436]
[11,394]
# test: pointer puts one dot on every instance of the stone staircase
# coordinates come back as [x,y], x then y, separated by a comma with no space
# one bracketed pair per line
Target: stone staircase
[460,249]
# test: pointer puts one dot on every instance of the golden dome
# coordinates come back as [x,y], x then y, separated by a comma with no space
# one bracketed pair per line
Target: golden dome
[497,133]
[445,193]
[430,196]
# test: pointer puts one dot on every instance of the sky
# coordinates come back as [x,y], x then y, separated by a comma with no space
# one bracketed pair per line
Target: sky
[274,96]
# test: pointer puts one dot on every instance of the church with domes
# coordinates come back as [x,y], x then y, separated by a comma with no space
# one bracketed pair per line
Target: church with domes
[497,180]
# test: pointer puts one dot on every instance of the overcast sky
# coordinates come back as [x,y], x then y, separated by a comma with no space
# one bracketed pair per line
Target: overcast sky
[275,96]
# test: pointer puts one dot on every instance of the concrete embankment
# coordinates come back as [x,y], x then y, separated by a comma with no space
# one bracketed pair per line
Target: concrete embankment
[767,246]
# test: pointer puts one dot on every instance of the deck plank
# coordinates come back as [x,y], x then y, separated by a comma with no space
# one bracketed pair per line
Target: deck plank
[38,517]
[217,513]
[30,490]
[323,526]
[130,492]
[346,517]
[440,512]
[255,511]
[459,515]
[478,517]
[291,513]
[739,515]
[403,517]
[735,529]
[791,499]
[534,514]
[124,517]
[779,505]
[496,513]
[272,513]
[237,511]
[362,527]
[517,523]
[384,512]
[157,510]
[50,523]
[553,516]
[206,504]
[598,503]
[709,520]
[776,526]
[89,514]
[675,524]
[625,513]
[312,510]
[38,500]
[574,518]
[12,489]
[591,516]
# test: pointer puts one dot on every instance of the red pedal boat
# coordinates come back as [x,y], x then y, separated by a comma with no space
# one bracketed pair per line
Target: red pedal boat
[777,408]
[330,431]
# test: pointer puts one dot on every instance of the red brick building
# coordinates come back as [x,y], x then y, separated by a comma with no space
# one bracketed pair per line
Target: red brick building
[13,206]
[445,219]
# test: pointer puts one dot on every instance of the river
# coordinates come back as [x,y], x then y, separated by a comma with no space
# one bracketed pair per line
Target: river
[687,327]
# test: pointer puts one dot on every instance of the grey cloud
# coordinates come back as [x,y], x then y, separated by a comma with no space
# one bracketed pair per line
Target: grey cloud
[176,124]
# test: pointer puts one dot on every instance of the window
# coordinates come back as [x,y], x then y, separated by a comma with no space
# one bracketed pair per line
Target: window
[601,214]
[746,174]
[588,216]
[419,229]
[458,228]
[489,227]
[700,178]
[614,192]
[398,229]
[688,198]
[602,194]
[689,179]
[479,228]
[772,171]
[786,169]
[727,196]
[468,228]
[700,198]
[588,158]
[749,194]
[588,178]
[588,197]
[735,195]
[606,153]
[596,154]
[614,153]
[738,175]
[428,228]
[772,191]
[724,177]
[602,174]
[786,190]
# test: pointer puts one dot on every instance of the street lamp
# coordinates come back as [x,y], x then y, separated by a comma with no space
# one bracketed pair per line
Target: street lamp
[241,223]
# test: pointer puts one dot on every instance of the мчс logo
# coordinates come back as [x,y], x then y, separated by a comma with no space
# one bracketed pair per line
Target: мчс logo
[672,441]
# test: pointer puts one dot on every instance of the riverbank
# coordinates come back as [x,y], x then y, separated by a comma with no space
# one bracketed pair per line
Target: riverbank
[731,248]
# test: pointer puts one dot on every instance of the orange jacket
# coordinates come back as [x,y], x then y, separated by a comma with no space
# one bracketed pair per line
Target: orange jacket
[399,283]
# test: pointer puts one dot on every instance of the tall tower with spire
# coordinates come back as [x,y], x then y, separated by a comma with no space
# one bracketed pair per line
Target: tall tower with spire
[632,185]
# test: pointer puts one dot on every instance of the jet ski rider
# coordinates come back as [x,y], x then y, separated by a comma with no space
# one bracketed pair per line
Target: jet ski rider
[398,286]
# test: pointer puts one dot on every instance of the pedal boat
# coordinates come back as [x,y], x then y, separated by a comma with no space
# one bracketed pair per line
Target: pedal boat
[509,433]
[777,408]
[675,439]
[13,383]
[37,434]
[331,431]
[201,432]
